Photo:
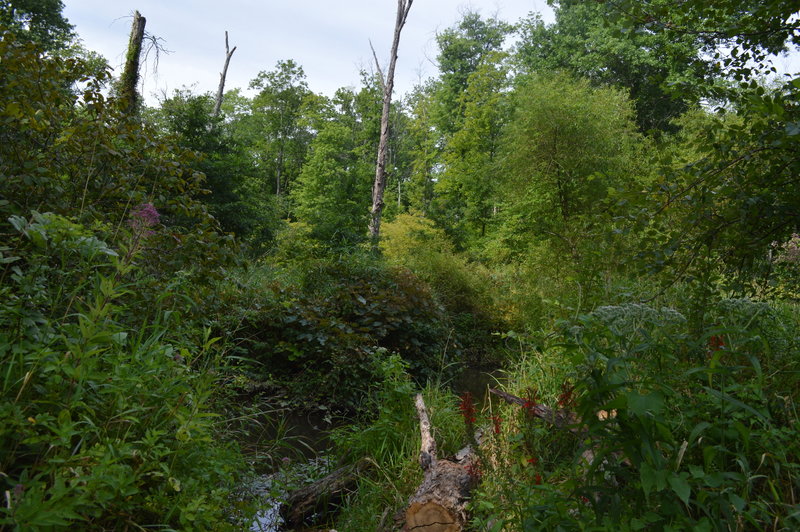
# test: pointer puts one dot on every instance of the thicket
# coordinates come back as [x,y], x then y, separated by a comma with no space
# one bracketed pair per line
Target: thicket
[616,227]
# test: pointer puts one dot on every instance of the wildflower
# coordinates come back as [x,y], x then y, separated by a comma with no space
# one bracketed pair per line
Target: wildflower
[566,398]
[473,470]
[533,460]
[530,402]
[537,479]
[715,343]
[467,408]
[496,421]
[145,215]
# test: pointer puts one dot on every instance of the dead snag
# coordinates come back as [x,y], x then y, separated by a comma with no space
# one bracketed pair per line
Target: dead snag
[439,505]
[222,75]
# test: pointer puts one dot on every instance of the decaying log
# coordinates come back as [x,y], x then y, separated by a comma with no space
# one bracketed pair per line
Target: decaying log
[439,505]
[560,418]
[314,502]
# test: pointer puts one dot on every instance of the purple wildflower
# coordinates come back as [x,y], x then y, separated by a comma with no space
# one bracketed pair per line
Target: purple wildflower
[145,215]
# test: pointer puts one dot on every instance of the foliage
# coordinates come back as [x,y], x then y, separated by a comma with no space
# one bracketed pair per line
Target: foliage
[73,152]
[333,320]
[235,196]
[702,431]
[38,21]
[588,42]
[569,154]
[332,194]
[464,289]
[105,426]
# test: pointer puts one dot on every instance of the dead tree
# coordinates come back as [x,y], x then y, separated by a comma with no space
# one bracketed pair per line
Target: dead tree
[403,7]
[439,505]
[221,88]
[130,75]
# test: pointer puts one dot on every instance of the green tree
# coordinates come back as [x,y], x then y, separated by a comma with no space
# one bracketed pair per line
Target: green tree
[39,21]
[462,49]
[332,193]
[586,41]
[568,150]
[718,208]
[235,197]
[466,190]
[279,111]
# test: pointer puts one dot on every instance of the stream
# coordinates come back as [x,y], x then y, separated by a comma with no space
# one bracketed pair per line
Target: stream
[305,453]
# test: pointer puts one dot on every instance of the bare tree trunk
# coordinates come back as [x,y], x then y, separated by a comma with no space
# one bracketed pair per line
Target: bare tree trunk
[130,76]
[221,88]
[403,7]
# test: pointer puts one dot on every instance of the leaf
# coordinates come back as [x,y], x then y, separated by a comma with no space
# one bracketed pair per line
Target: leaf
[681,486]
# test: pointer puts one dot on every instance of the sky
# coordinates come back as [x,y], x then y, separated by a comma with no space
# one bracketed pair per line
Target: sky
[329,39]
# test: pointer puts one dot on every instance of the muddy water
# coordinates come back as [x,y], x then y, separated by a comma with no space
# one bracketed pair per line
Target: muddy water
[477,382]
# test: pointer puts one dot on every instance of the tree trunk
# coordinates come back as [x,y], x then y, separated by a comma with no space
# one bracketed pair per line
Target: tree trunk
[313,503]
[403,7]
[222,75]
[130,76]
[439,505]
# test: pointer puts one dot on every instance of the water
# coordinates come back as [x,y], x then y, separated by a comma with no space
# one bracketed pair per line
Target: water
[301,457]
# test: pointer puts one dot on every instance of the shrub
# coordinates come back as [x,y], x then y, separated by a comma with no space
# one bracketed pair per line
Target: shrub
[104,426]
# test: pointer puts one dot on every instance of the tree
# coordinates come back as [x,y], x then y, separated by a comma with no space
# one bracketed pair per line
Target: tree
[466,191]
[278,114]
[130,75]
[568,149]
[719,209]
[461,50]
[39,21]
[222,76]
[332,191]
[586,41]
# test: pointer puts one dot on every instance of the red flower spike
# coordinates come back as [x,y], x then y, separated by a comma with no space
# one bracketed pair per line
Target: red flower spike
[496,421]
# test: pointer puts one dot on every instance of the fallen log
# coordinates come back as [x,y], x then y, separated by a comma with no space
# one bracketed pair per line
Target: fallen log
[313,503]
[560,418]
[439,504]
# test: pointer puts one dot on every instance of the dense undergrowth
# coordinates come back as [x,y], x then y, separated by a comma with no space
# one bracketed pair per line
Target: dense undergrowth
[644,279]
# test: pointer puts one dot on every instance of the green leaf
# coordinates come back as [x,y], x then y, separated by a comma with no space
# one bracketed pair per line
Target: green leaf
[681,486]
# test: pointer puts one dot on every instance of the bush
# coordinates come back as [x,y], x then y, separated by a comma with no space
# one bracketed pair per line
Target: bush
[703,431]
[104,426]
[329,320]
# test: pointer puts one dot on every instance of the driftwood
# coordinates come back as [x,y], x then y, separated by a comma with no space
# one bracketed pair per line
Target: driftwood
[313,502]
[439,505]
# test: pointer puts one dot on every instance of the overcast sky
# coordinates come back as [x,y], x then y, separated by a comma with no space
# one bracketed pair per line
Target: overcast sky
[329,39]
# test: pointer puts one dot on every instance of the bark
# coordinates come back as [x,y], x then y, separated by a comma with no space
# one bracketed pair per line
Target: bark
[317,501]
[439,504]
[130,75]
[403,7]
[222,75]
